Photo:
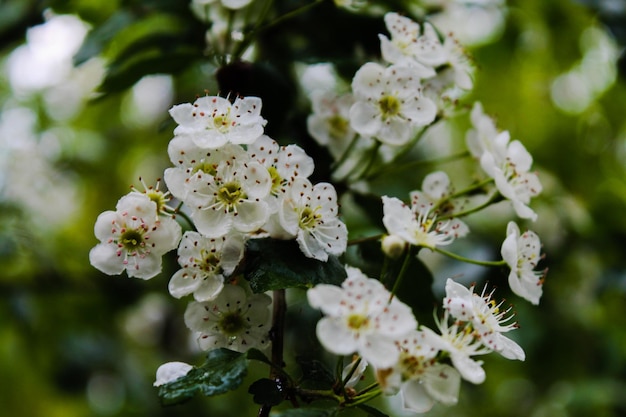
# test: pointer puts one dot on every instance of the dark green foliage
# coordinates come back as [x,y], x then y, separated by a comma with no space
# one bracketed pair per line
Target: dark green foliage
[273,264]
[222,371]
[266,391]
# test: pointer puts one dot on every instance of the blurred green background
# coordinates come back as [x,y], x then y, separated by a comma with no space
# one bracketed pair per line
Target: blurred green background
[74,342]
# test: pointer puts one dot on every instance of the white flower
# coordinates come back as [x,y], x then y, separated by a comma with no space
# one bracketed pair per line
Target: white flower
[205,261]
[438,383]
[461,344]
[512,178]
[522,253]
[283,163]
[170,372]
[133,238]
[233,198]
[508,163]
[408,46]
[212,121]
[474,22]
[234,320]
[319,77]
[360,318]
[437,191]
[189,158]
[416,227]
[486,318]
[484,136]
[310,214]
[329,123]
[459,64]
[389,104]
[421,379]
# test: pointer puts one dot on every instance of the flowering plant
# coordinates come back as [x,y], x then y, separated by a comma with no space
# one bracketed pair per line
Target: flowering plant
[247,218]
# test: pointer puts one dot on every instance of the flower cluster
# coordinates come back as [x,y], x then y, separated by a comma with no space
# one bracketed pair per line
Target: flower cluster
[362,317]
[389,102]
[237,184]
[232,183]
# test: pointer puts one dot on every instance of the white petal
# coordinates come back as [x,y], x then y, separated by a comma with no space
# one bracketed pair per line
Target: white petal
[310,246]
[144,266]
[436,185]
[209,288]
[469,369]
[251,216]
[106,221]
[365,118]
[529,289]
[415,397]
[327,298]
[165,236]
[380,351]
[335,337]
[183,282]
[398,218]
[104,257]
[170,372]
[510,349]
[212,223]
[395,132]
[443,382]
[182,113]
[519,156]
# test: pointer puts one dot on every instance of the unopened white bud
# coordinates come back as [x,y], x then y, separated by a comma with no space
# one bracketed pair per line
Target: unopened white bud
[393,246]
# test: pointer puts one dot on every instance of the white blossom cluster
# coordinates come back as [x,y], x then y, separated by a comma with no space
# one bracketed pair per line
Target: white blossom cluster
[389,105]
[425,366]
[237,184]
[390,102]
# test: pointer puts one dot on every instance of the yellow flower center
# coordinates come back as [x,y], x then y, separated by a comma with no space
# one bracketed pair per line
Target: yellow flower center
[389,106]
[231,324]
[131,240]
[230,194]
[309,218]
[357,321]
[338,126]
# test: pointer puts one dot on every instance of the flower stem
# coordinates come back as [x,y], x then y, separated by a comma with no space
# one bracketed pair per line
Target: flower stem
[177,212]
[360,240]
[467,260]
[494,198]
[370,162]
[403,150]
[277,335]
[405,265]
[387,169]
[344,156]
[352,371]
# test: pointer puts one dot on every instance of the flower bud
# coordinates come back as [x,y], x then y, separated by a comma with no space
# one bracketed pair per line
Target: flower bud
[393,246]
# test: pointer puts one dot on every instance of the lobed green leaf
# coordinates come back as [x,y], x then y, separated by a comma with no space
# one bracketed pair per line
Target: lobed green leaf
[222,371]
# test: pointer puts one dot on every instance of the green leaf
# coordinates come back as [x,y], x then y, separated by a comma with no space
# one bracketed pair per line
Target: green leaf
[371,411]
[98,38]
[277,264]
[257,355]
[123,75]
[266,391]
[315,375]
[222,371]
